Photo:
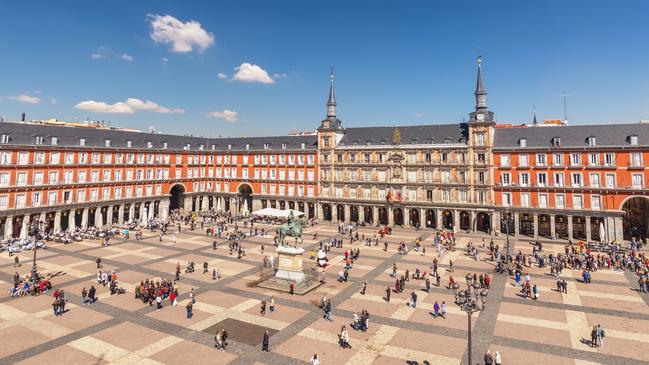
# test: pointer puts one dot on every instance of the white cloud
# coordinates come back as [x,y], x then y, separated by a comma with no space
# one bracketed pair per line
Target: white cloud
[53,101]
[227,115]
[222,76]
[130,106]
[247,72]
[164,60]
[97,56]
[280,76]
[183,37]
[101,107]
[127,57]
[25,99]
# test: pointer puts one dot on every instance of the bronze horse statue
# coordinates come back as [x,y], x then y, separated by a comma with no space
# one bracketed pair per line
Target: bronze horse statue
[291,229]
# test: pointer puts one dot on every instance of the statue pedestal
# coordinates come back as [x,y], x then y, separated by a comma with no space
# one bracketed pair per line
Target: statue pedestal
[289,266]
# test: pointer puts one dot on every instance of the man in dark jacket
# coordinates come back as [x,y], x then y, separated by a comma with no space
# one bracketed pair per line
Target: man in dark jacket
[91,294]
[266,343]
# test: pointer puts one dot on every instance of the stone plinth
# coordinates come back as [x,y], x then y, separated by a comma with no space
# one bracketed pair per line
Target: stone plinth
[289,265]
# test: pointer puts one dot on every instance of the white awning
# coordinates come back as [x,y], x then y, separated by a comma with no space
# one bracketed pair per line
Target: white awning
[277,213]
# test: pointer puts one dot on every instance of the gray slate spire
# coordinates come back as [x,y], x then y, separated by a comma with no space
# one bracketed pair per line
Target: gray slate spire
[331,102]
[480,92]
[534,121]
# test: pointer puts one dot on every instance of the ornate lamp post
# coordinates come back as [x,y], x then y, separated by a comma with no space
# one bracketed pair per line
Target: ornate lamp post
[238,197]
[36,233]
[508,249]
[470,301]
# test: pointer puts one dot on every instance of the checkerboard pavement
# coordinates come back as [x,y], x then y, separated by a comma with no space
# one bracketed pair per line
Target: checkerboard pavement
[121,330]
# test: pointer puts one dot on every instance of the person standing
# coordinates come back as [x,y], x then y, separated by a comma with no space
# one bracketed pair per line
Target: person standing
[266,342]
[387,294]
[488,358]
[16,261]
[84,296]
[190,307]
[98,261]
[364,289]
[315,360]
[498,360]
[262,309]
[91,294]
[272,304]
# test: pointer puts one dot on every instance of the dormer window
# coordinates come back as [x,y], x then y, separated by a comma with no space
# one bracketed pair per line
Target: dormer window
[5,139]
[522,142]
[54,141]
[633,140]
[229,146]
[38,140]
[165,145]
[302,145]
[129,144]
[149,144]
[592,141]
[247,146]
[107,143]
[266,146]
[283,146]
[556,142]
[82,142]
[200,147]
[447,140]
[213,147]
[188,146]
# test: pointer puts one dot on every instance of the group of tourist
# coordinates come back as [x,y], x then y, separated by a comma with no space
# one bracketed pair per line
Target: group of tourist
[150,291]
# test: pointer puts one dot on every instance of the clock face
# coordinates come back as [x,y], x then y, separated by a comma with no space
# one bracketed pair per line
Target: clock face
[480,117]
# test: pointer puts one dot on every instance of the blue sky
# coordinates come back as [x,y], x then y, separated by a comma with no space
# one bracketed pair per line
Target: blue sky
[396,62]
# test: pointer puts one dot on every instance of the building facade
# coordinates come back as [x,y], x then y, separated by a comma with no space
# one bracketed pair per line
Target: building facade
[571,182]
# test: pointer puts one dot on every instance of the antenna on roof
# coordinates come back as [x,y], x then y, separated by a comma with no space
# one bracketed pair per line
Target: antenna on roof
[565,108]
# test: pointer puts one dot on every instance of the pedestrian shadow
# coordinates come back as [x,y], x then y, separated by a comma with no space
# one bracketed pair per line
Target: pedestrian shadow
[586,342]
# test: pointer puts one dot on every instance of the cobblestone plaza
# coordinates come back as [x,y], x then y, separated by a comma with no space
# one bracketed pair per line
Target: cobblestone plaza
[119,329]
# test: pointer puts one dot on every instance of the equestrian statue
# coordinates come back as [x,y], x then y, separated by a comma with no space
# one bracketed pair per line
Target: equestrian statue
[292,228]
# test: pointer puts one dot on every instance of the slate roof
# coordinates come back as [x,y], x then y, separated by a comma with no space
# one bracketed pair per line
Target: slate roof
[413,134]
[25,134]
[576,136]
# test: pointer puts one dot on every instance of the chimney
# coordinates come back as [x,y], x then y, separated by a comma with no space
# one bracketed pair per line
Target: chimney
[22,119]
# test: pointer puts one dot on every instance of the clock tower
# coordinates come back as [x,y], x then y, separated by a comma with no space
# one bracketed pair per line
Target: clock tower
[481,114]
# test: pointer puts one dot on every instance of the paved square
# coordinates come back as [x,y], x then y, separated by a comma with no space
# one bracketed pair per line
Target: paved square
[119,329]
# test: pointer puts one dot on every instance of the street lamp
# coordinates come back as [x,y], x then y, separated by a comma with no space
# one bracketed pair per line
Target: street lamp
[36,233]
[470,301]
[238,197]
[508,250]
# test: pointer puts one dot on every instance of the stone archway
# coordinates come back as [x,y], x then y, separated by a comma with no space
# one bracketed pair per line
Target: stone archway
[340,212]
[447,219]
[483,223]
[368,215]
[431,221]
[383,216]
[635,223]
[326,212]
[397,215]
[353,213]
[465,220]
[414,217]
[176,200]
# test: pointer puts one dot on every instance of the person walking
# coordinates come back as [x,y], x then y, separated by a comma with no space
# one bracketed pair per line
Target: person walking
[271,306]
[16,261]
[498,360]
[266,342]
[262,308]
[98,261]
[84,296]
[387,294]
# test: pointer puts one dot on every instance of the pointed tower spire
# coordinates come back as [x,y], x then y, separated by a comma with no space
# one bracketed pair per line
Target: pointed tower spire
[480,92]
[331,102]
[534,121]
